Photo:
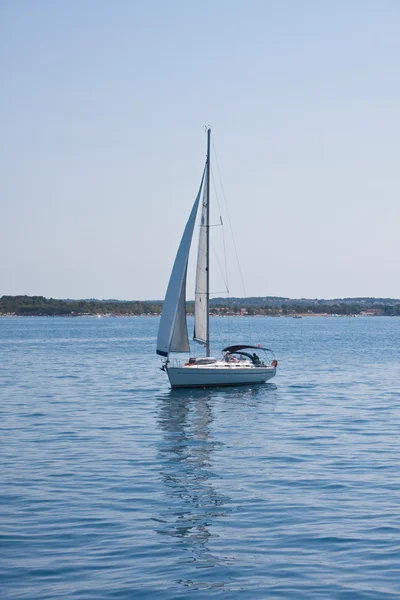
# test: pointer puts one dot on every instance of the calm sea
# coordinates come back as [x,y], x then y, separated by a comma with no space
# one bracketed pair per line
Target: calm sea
[114,487]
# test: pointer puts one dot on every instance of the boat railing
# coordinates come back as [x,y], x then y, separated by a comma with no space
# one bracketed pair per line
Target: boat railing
[181,362]
[178,363]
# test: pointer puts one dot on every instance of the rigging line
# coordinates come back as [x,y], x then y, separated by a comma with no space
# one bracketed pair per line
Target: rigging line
[224,240]
[212,292]
[220,268]
[223,233]
[229,218]
[231,230]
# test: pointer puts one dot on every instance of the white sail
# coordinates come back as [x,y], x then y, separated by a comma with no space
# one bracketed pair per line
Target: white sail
[172,331]
[179,340]
[201,290]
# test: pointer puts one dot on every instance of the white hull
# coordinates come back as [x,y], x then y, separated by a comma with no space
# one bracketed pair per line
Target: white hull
[213,376]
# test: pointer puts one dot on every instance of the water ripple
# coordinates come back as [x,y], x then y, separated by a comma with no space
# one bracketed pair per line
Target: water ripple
[115,487]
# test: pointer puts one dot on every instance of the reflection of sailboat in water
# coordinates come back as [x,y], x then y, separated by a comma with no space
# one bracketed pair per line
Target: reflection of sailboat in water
[193,501]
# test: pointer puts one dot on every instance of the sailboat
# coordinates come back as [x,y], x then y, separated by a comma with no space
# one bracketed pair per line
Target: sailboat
[241,363]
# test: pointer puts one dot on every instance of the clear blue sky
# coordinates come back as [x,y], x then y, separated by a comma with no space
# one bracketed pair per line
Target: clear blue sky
[102,113]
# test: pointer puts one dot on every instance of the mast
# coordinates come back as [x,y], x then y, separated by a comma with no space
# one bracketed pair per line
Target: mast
[208,245]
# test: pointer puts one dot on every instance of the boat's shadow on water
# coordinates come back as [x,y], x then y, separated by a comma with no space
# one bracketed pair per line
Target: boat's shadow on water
[195,495]
[235,393]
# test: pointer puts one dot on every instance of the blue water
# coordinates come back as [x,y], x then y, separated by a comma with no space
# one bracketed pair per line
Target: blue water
[114,487]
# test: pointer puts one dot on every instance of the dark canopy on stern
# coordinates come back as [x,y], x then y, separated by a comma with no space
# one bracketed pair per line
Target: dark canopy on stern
[243,347]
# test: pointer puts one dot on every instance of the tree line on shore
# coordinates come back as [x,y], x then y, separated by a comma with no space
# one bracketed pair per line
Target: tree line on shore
[273,306]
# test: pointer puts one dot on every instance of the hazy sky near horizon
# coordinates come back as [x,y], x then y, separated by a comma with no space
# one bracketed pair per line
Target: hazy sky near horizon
[102,114]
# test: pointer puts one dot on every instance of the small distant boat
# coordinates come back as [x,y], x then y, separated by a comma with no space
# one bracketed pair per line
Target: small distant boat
[297,317]
[241,363]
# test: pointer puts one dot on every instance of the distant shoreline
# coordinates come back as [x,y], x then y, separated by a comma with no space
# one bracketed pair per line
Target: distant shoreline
[272,306]
[216,316]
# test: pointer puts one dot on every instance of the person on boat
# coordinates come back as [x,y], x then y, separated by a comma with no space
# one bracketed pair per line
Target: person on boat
[226,356]
[256,359]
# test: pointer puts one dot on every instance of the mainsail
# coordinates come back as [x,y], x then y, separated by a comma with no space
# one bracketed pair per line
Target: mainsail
[201,290]
[172,331]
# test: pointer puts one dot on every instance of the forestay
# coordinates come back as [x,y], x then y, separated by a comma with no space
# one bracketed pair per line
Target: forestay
[172,331]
